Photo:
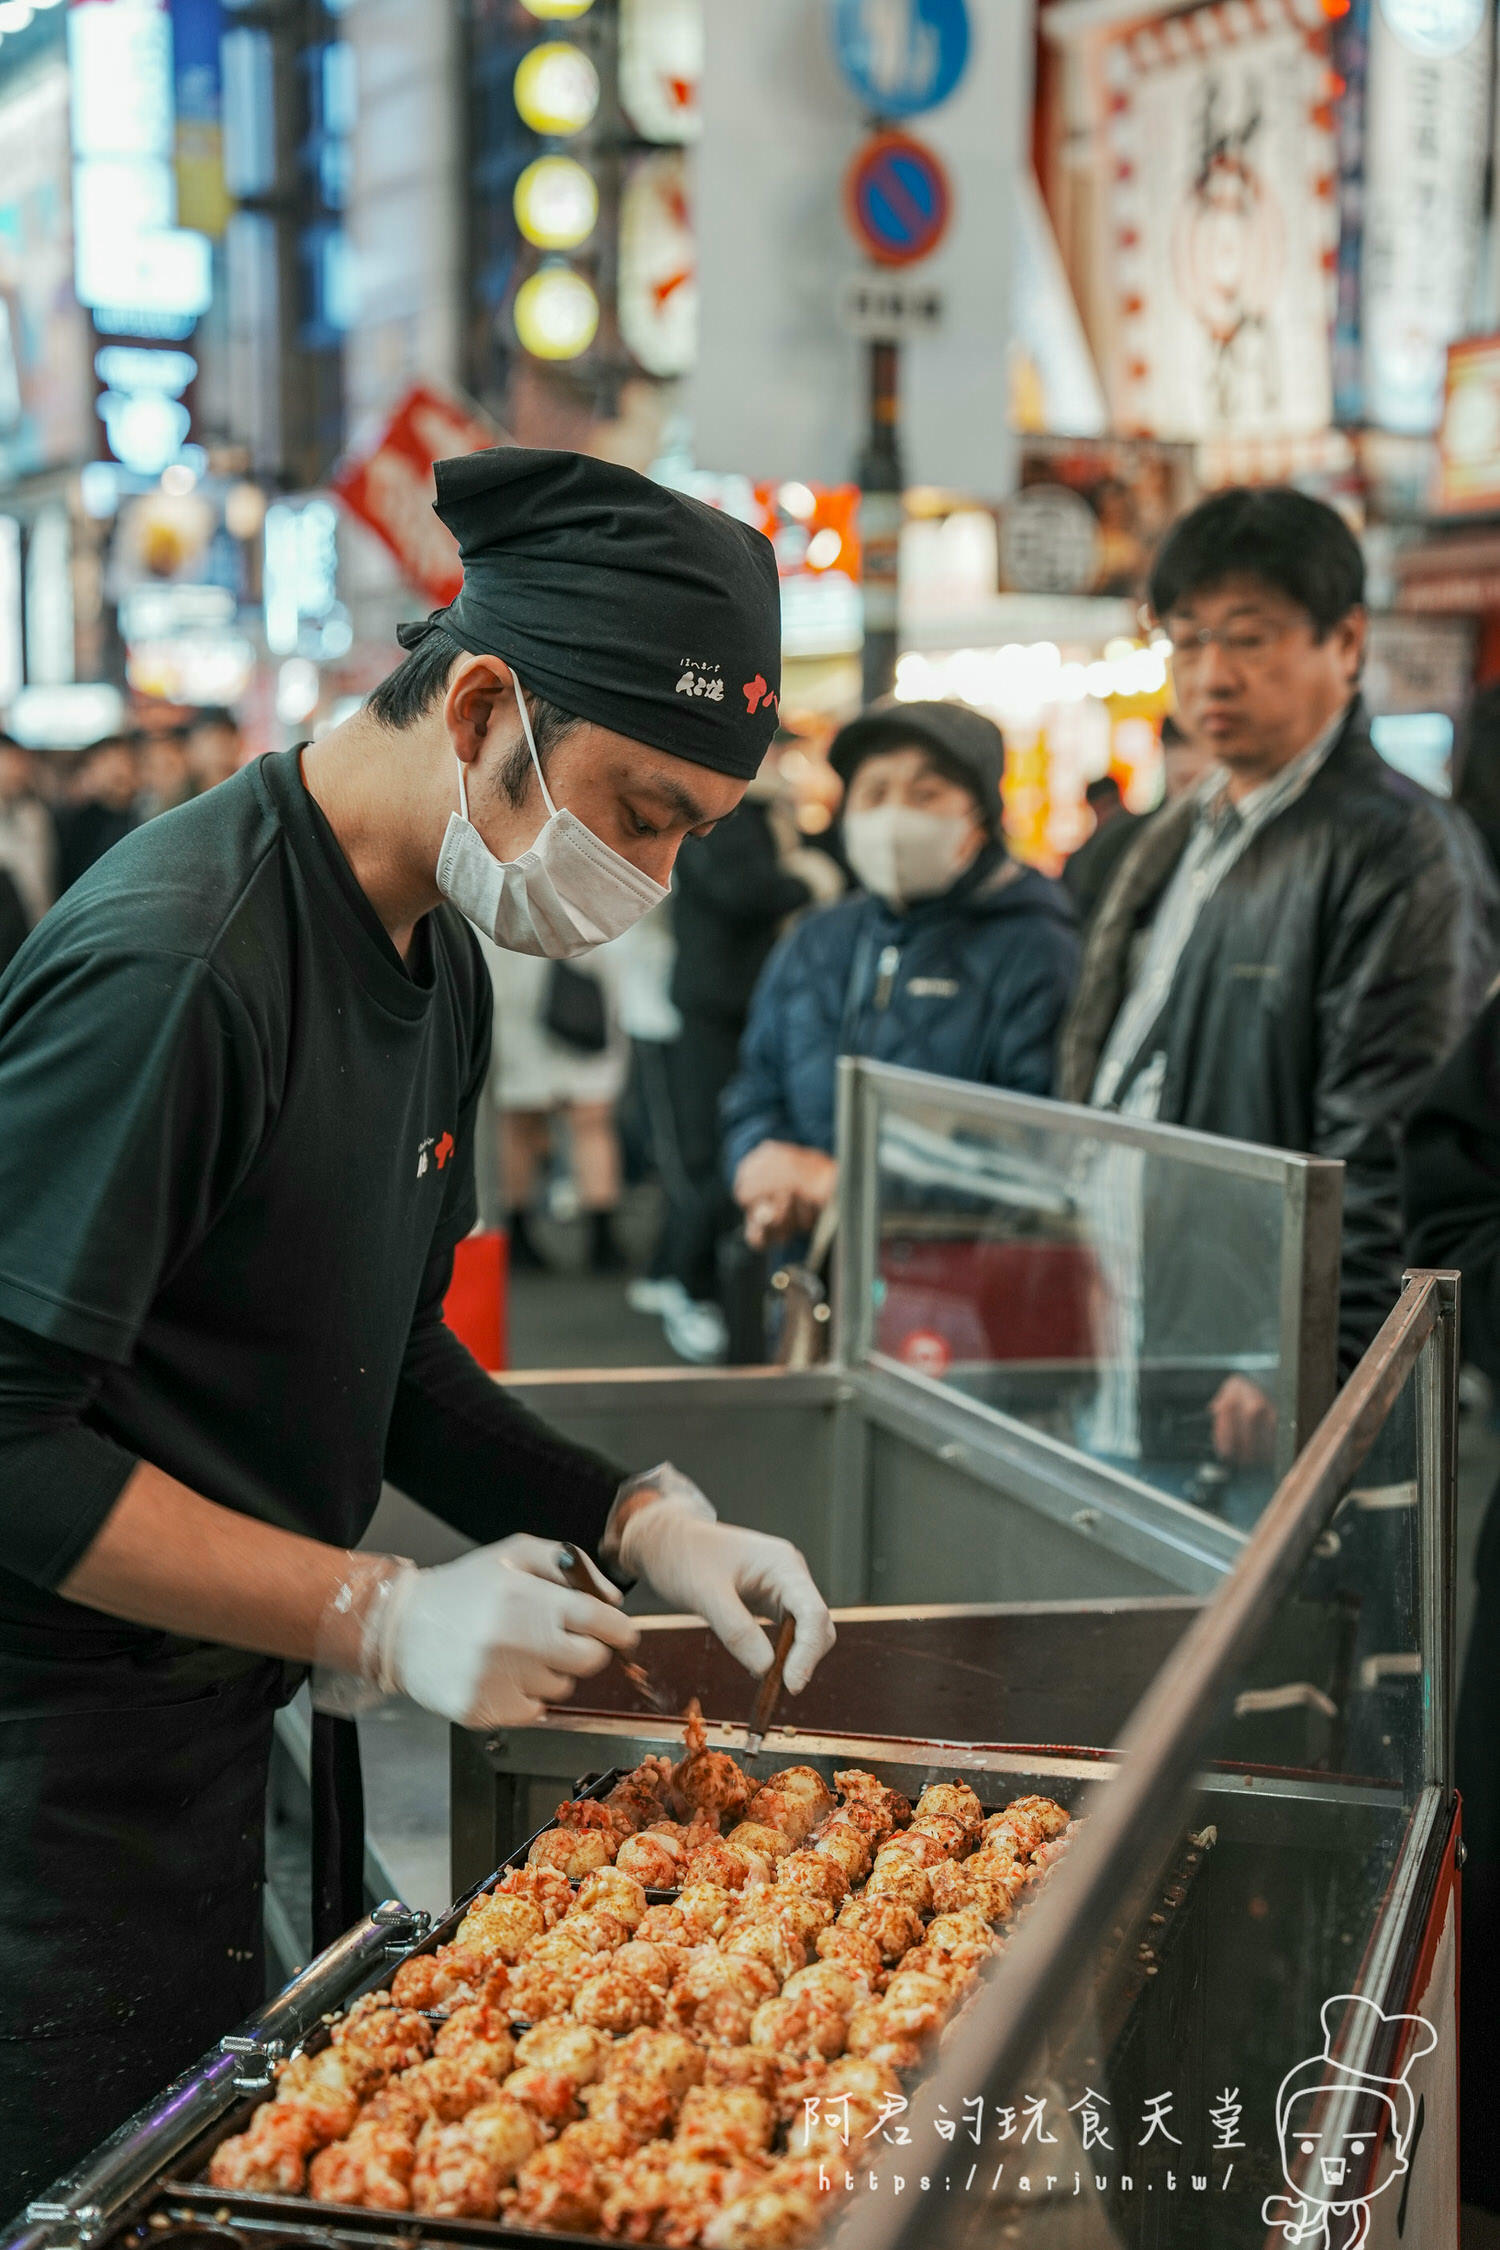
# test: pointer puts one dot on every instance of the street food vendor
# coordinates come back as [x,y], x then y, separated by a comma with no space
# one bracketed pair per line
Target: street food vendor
[239,1067]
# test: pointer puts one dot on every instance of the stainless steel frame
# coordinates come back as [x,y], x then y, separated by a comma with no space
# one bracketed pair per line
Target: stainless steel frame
[1144,1802]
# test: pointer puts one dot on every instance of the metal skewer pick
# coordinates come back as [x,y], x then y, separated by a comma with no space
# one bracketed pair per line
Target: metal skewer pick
[576,1571]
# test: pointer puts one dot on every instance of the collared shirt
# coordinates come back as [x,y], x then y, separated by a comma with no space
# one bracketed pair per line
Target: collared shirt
[1131,1073]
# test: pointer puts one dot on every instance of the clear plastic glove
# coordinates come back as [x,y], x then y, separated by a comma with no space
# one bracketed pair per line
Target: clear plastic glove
[486,1641]
[674,1540]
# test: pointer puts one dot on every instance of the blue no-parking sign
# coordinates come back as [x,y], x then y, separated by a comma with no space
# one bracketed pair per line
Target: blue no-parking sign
[897,199]
[901,56]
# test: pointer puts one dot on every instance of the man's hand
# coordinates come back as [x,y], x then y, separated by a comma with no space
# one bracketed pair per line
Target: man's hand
[663,1529]
[781,1189]
[1244,1423]
[488,1640]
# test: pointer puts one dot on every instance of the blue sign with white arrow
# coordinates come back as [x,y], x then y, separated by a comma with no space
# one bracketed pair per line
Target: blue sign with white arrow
[901,56]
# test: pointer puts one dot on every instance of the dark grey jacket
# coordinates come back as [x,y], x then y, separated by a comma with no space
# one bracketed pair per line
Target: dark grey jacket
[1325,980]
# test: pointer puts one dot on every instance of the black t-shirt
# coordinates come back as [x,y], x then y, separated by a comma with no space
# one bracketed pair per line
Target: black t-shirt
[236,1151]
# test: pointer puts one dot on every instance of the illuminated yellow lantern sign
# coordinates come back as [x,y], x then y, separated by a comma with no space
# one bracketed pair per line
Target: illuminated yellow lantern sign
[557,89]
[557,203]
[557,11]
[556,313]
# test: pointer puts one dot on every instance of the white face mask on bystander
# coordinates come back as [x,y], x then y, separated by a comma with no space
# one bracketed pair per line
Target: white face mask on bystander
[566,894]
[903,854]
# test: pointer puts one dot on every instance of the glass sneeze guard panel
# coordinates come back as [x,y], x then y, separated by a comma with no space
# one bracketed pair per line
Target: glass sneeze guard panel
[1132,1291]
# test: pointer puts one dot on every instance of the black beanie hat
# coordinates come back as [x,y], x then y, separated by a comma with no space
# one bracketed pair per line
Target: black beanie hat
[962,737]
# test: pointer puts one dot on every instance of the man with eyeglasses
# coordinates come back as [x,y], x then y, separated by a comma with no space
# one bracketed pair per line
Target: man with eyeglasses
[1284,954]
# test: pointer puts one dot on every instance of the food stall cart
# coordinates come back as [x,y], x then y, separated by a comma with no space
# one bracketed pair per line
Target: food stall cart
[1245,1697]
[1245,1961]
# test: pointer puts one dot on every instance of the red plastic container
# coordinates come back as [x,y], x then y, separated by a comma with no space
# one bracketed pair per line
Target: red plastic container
[475,1307]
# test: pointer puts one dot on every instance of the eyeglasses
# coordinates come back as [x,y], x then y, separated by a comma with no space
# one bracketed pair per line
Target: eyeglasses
[1239,642]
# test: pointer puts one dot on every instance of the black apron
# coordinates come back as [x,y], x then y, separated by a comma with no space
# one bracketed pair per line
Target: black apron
[132,1860]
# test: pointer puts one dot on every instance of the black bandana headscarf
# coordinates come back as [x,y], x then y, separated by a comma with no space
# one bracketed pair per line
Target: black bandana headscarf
[617,600]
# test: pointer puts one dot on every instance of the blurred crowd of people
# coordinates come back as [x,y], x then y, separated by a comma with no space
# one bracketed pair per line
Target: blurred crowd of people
[1283,951]
[61,810]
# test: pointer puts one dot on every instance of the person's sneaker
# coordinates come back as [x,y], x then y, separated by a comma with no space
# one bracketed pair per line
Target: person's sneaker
[696,1332]
[648,1295]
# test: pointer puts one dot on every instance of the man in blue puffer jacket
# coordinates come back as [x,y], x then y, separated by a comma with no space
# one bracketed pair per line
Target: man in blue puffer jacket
[956,960]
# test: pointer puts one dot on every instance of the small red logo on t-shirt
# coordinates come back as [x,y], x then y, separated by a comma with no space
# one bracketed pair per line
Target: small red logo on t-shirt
[757,693]
[443,1150]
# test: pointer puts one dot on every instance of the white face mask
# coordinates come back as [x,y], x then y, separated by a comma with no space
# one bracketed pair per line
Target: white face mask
[902,854]
[567,893]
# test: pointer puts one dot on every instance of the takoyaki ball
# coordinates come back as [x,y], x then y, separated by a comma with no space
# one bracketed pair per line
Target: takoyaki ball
[773,2077]
[786,2210]
[617,2002]
[480,2032]
[573,1852]
[810,2024]
[270,2156]
[579,2049]
[1045,1813]
[447,2086]
[616,1892]
[899,1877]
[956,1800]
[707,1908]
[830,1978]
[725,2122]
[771,1807]
[548,2095]
[372,2168]
[382,2036]
[664,2194]
[867,1816]
[804,1913]
[950,1835]
[541,1989]
[756,1836]
[769,1940]
[655,1861]
[462,2168]
[826,2127]
[848,1848]
[709,1781]
[666,1925]
[894,1924]
[561,2188]
[807,1783]
[501,1927]
[586,1930]
[912,1844]
[965,1926]
[719,1863]
[547,1886]
[327,2087]
[916,2003]
[449,1977]
[873,2035]
[715,1995]
[816,1874]
[854,1952]
[652,1963]
[993,1891]
[857,1786]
